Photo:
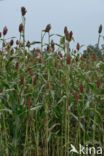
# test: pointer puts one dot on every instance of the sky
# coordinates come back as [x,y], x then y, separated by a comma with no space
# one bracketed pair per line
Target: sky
[81,16]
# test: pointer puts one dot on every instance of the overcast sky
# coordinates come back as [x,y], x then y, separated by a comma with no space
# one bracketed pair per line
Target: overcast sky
[81,16]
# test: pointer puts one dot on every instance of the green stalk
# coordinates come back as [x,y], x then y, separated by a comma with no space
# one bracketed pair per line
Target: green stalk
[49,38]
[67,119]
[37,135]
[94,127]
[66,129]
[46,129]
[6,136]
[98,41]
[62,134]
[24,23]
[26,139]
[3,42]
[41,41]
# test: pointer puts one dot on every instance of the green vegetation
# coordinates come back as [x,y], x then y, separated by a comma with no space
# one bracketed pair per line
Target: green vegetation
[49,100]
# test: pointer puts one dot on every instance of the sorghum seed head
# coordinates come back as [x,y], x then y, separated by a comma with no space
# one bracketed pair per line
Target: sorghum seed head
[78,46]
[48,28]
[17,65]
[81,88]
[65,30]
[11,42]
[71,34]
[68,59]
[23,11]
[21,28]
[100,29]
[5,30]
[17,42]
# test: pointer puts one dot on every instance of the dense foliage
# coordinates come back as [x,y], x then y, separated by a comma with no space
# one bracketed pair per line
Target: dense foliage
[49,100]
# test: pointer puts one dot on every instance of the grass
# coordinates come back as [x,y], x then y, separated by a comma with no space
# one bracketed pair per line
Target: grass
[49,101]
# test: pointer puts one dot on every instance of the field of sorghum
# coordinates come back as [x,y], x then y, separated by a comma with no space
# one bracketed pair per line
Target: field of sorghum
[49,100]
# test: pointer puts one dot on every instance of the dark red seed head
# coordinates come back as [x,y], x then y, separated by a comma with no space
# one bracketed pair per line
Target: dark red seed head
[17,65]
[71,34]
[21,28]
[23,11]
[100,29]
[78,46]
[5,30]
[11,42]
[17,42]
[81,88]
[65,30]
[68,59]
[48,28]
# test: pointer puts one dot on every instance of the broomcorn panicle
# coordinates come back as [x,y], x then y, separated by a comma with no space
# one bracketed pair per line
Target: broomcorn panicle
[5,30]
[47,29]
[23,11]
[100,29]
